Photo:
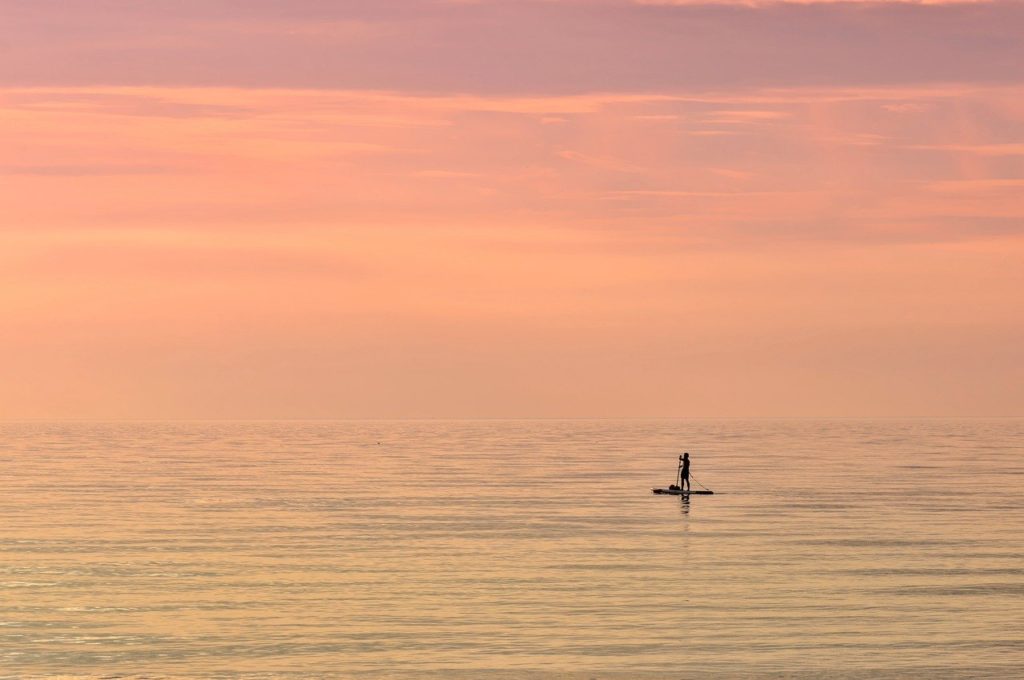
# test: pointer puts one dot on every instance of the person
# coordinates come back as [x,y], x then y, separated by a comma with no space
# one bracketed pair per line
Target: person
[684,472]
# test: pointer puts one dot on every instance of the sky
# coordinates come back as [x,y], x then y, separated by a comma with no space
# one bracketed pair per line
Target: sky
[475,209]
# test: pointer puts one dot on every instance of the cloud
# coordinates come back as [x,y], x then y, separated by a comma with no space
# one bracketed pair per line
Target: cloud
[446,174]
[744,116]
[770,3]
[979,185]
[669,193]
[509,47]
[995,149]
[803,177]
[602,162]
[799,164]
[86,170]
[327,250]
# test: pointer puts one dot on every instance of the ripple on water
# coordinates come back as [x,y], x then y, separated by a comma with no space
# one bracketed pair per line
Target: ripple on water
[511,549]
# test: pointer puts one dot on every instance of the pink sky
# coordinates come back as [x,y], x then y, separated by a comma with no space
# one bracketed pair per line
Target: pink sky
[228,209]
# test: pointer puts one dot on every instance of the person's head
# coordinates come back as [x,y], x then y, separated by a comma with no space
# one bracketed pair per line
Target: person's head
[686,456]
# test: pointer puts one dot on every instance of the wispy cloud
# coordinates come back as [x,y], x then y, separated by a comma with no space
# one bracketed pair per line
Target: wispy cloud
[835,158]
[994,149]
[602,162]
[444,200]
[770,3]
[86,170]
[979,185]
[511,47]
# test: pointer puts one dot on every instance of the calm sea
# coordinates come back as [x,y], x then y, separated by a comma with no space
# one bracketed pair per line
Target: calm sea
[512,549]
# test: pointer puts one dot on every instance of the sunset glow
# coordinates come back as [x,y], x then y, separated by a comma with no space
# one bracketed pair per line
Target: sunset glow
[440,209]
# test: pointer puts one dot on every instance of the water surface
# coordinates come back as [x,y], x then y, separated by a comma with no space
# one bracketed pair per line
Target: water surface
[512,549]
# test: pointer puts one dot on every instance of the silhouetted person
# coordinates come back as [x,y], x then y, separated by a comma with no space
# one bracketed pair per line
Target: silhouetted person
[684,472]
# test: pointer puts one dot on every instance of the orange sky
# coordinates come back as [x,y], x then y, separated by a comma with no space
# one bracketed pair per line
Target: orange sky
[423,221]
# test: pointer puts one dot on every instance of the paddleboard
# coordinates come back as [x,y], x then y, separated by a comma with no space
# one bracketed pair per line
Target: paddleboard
[677,492]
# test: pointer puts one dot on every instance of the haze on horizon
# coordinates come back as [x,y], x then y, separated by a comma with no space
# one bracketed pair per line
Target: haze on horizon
[429,208]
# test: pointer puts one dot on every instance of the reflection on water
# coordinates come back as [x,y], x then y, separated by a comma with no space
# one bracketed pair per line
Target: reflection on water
[511,549]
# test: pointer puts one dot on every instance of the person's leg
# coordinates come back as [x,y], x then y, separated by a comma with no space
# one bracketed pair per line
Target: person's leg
[686,482]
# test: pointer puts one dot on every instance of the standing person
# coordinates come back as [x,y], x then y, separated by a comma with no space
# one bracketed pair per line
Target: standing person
[684,472]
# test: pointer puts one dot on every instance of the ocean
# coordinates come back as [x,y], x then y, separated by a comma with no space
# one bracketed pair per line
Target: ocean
[512,549]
